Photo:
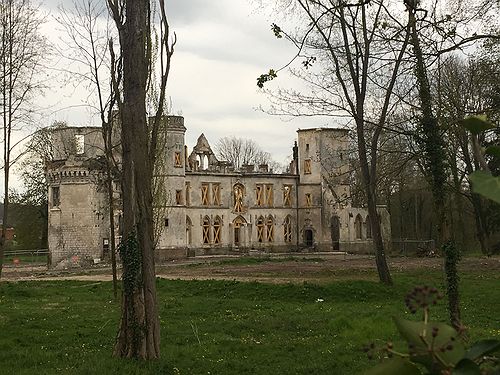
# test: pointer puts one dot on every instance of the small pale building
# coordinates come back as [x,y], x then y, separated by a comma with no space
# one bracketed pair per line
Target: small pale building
[208,207]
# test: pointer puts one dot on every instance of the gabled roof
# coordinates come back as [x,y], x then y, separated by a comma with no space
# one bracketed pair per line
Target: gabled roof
[202,146]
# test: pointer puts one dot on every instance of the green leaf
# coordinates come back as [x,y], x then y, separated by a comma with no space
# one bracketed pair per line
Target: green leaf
[493,151]
[482,348]
[419,335]
[485,184]
[394,366]
[477,124]
[466,367]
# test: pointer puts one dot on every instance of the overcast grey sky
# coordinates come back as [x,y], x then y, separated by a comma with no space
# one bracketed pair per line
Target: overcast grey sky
[223,46]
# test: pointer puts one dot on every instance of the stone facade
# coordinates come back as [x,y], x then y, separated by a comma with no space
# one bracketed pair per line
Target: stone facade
[207,207]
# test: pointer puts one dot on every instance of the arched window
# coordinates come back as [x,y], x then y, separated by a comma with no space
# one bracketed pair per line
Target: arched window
[287,229]
[206,230]
[237,224]
[270,229]
[260,229]
[358,226]
[368,227]
[217,230]
[238,192]
[204,162]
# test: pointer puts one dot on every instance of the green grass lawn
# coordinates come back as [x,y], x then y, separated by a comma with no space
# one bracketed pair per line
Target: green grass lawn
[223,327]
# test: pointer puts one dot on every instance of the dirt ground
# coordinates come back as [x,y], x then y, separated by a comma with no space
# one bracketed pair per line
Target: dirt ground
[284,269]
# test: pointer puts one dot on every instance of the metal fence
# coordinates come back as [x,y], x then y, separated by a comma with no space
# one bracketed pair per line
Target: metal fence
[410,247]
[26,258]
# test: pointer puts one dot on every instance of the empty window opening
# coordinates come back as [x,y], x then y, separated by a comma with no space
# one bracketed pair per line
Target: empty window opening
[237,225]
[188,194]
[188,230]
[178,197]
[308,237]
[368,227]
[204,164]
[260,229]
[56,196]
[287,229]
[335,232]
[358,227]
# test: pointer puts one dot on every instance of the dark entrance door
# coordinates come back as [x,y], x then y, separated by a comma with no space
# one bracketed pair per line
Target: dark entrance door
[236,236]
[335,228]
[308,237]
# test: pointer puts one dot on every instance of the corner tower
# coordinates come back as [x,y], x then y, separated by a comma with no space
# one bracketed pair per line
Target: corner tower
[170,191]
[323,185]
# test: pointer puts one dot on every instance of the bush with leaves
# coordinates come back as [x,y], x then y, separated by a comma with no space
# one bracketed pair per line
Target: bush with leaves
[483,181]
[434,348]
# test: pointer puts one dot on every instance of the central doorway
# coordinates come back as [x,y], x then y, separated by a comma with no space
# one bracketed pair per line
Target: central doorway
[238,225]
[308,237]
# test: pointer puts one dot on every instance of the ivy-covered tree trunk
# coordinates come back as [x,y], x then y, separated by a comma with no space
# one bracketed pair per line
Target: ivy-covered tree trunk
[434,159]
[139,332]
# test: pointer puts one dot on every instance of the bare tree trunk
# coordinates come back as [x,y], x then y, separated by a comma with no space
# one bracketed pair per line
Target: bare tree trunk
[139,332]
[370,188]
[3,238]
[481,227]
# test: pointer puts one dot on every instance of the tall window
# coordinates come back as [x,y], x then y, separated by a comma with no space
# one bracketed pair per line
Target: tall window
[206,230]
[269,195]
[205,194]
[178,197]
[216,194]
[177,159]
[237,224]
[287,229]
[270,229]
[307,166]
[188,194]
[260,229]
[217,230]
[260,195]
[264,195]
[188,230]
[287,195]
[56,196]
[238,191]
[368,227]
[308,200]
[358,224]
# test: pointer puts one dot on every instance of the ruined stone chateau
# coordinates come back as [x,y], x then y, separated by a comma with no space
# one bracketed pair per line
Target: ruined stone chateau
[208,207]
